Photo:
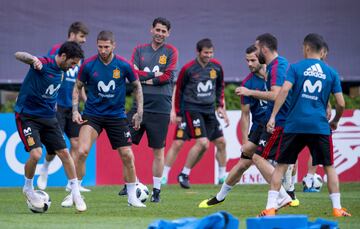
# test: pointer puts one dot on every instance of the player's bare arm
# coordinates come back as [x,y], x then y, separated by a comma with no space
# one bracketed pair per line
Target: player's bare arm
[280,100]
[263,95]
[245,122]
[138,96]
[27,58]
[339,107]
[76,116]
[223,115]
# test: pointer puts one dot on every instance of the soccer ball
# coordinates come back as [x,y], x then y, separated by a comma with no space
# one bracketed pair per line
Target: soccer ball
[317,182]
[47,202]
[142,192]
[312,184]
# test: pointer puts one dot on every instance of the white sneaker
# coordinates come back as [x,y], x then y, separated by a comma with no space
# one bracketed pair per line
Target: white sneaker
[135,202]
[283,202]
[80,204]
[68,201]
[81,189]
[33,198]
[42,179]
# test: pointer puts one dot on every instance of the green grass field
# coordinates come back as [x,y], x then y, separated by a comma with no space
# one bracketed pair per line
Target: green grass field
[108,210]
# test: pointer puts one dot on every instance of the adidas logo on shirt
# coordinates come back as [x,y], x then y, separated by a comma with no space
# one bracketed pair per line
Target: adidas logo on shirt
[316,71]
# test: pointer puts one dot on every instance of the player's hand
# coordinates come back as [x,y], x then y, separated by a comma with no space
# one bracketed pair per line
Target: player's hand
[242,91]
[76,117]
[172,116]
[270,125]
[178,120]
[136,121]
[37,64]
[223,115]
[157,74]
[333,125]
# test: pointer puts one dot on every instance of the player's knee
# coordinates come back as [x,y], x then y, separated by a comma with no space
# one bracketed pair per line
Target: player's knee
[203,144]
[35,154]
[221,143]
[82,153]
[127,156]
[63,154]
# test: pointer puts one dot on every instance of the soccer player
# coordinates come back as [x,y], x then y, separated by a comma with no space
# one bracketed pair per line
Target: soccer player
[256,80]
[199,93]
[155,64]
[311,81]
[36,116]
[181,135]
[77,32]
[104,76]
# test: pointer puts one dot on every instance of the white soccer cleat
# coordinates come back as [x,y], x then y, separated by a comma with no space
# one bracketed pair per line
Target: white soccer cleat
[134,202]
[68,201]
[80,204]
[42,179]
[81,189]
[33,198]
[283,202]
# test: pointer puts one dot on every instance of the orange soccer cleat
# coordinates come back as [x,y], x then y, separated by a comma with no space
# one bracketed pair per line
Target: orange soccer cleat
[340,212]
[267,212]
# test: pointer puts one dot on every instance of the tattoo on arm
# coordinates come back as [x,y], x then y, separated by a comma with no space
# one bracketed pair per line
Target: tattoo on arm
[138,96]
[25,57]
[75,96]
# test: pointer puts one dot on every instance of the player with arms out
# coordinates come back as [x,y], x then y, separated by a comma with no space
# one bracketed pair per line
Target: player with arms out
[77,32]
[104,76]
[36,116]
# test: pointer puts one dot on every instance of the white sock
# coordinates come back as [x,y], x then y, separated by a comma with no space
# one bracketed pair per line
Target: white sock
[131,190]
[74,185]
[272,199]
[222,172]
[293,179]
[28,184]
[166,171]
[186,171]
[46,164]
[225,189]
[80,181]
[282,192]
[157,182]
[335,199]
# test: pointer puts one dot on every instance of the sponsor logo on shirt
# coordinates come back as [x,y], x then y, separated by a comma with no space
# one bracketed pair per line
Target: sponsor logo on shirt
[51,91]
[162,59]
[105,89]
[204,89]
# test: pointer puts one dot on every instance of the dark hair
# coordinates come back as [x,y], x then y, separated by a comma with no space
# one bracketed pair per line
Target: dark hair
[251,49]
[268,40]
[206,42]
[106,35]
[71,50]
[77,27]
[314,41]
[163,21]
[326,47]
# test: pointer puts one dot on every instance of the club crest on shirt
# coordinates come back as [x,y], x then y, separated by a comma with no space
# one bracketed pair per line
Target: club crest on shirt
[162,59]
[212,74]
[116,73]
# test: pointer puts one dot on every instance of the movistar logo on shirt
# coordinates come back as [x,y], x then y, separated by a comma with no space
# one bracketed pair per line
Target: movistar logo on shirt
[204,89]
[316,71]
[104,89]
[51,91]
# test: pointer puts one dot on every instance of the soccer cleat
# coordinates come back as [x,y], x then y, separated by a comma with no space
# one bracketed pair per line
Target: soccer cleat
[33,198]
[81,188]
[134,202]
[267,212]
[183,180]
[294,201]
[123,191]
[42,179]
[155,196]
[68,201]
[340,212]
[211,202]
[79,203]
[163,180]
[284,202]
